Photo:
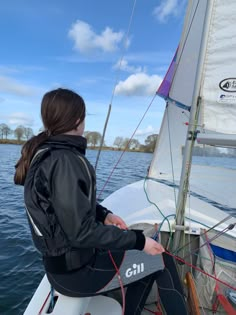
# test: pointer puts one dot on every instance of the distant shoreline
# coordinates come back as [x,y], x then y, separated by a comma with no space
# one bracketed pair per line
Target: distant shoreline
[197,152]
[106,148]
[12,141]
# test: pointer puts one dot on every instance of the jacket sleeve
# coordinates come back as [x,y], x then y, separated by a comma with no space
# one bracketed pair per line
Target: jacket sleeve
[101,212]
[69,193]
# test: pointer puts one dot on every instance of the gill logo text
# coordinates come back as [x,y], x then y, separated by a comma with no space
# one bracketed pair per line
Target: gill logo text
[136,269]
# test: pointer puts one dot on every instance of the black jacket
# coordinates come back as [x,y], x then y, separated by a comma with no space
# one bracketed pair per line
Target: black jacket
[60,197]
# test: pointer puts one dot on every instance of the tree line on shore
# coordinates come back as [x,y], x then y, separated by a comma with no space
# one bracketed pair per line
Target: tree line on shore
[21,134]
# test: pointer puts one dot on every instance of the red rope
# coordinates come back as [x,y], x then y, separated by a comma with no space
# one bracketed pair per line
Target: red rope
[157,312]
[126,147]
[120,281]
[41,309]
[226,305]
[153,312]
[200,270]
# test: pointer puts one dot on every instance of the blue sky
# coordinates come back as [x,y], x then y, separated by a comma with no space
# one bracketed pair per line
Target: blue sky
[94,47]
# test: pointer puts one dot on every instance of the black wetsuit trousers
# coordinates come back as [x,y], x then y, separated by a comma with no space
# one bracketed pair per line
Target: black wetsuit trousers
[137,270]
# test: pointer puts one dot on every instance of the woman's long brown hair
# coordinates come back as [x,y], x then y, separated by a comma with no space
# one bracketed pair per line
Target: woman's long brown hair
[60,111]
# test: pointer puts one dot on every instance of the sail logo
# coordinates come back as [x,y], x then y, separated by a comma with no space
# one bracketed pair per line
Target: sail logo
[228,85]
[136,269]
[227,98]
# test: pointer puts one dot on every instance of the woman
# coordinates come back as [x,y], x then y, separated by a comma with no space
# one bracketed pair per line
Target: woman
[81,242]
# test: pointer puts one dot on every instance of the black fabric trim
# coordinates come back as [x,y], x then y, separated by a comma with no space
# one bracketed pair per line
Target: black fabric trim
[101,212]
[140,240]
[55,264]
[70,261]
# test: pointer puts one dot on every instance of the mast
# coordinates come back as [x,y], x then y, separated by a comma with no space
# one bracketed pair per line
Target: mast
[187,158]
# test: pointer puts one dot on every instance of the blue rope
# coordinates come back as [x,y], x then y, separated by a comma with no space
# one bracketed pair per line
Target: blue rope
[52,299]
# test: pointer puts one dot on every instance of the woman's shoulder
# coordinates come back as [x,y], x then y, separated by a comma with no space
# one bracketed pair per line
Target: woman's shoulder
[66,154]
[72,157]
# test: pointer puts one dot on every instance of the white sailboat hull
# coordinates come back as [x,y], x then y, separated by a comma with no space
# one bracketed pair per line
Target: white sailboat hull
[40,303]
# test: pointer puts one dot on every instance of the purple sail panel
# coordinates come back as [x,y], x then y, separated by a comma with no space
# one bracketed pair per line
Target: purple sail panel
[164,88]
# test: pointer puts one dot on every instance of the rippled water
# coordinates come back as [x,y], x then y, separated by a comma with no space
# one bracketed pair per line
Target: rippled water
[20,265]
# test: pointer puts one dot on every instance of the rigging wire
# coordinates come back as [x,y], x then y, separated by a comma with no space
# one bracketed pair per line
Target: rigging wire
[228,228]
[115,83]
[202,234]
[126,147]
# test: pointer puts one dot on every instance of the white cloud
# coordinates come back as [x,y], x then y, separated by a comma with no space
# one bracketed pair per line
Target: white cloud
[143,132]
[124,66]
[168,8]
[20,119]
[86,40]
[9,85]
[139,84]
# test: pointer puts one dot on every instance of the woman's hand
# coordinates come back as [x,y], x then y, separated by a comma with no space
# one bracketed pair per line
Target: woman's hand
[112,219]
[152,247]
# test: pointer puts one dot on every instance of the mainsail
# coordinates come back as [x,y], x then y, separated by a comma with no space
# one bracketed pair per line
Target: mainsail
[218,88]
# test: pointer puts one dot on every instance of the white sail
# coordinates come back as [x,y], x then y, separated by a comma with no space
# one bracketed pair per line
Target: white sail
[218,75]
[218,90]
[167,158]
[183,83]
